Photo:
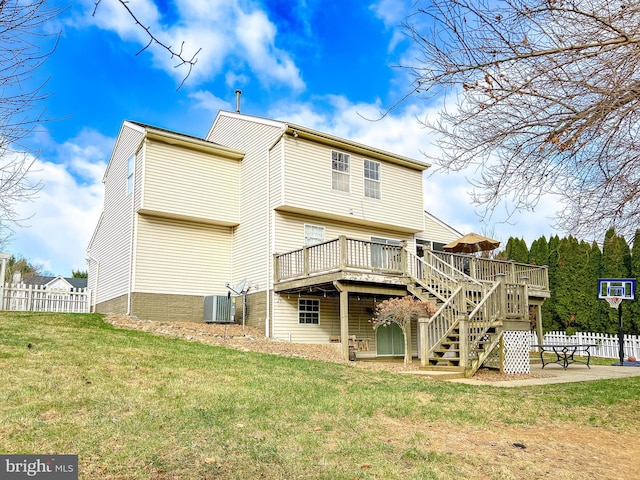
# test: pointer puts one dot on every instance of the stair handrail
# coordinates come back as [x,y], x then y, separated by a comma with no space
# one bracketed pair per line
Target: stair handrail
[418,267]
[483,315]
[443,321]
[437,263]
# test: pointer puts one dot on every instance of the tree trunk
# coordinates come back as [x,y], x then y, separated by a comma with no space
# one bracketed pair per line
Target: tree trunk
[406,329]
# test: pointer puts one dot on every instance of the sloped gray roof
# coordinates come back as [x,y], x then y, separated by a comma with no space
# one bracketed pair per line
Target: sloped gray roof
[43,280]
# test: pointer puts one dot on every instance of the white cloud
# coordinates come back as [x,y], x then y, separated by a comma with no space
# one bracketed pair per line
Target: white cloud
[392,13]
[225,32]
[68,207]
[208,101]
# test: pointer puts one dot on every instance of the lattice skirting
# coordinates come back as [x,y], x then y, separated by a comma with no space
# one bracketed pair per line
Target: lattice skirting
[493,359]
[516,352]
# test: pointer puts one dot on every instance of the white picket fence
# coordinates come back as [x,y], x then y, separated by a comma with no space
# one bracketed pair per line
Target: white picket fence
[607,345]
[37,298]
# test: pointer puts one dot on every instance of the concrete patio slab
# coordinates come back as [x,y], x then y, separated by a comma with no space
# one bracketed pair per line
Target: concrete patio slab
[553,374]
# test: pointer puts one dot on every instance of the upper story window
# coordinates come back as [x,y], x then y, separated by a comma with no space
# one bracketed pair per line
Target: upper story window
[130,169]
[340,171]
[371,179]
[313,235]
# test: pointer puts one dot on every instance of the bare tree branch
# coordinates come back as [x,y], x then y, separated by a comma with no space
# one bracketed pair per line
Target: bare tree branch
[546,102]
[183,60]
[21,55]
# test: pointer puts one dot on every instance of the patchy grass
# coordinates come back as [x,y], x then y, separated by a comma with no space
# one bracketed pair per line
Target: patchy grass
[137,406]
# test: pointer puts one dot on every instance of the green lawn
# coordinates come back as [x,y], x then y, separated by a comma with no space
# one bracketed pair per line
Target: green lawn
[137,406]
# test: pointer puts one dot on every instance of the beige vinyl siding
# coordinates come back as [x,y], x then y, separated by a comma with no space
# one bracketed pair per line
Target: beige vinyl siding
[360,307]
[436,230]
[182,258]
[307,168]
[191,184]
[275,174]
[251,255]
[286,326]
[111,242]
[290,231]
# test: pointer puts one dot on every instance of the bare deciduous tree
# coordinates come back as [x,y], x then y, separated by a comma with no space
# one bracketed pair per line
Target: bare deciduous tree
[547,102]
[21,54]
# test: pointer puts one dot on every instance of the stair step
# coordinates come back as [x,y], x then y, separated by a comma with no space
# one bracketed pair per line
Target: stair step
[455,352]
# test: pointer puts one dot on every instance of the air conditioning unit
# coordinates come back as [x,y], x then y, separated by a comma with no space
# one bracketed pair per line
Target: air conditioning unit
[219,309]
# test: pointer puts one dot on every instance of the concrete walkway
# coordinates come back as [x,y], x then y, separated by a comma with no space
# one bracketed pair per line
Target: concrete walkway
[553,373]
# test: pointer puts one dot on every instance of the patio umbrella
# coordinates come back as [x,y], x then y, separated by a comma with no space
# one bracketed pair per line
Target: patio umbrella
[470,243]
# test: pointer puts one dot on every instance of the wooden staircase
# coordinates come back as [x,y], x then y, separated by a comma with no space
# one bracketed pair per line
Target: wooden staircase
[465,328]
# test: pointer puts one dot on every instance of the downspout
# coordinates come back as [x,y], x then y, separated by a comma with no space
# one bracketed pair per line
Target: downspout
[267,320]
[133,221]
[133,201]
[270,238]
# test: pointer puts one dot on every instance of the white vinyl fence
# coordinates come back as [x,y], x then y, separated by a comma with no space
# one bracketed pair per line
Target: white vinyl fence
[607,345]
[36,298]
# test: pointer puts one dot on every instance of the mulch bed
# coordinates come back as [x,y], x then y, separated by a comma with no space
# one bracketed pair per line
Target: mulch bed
[252,339]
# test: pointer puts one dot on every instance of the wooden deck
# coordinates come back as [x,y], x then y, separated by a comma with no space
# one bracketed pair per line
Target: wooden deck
[476,298]
[361,261]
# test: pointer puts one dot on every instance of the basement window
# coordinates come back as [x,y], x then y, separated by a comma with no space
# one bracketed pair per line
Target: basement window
[308,311]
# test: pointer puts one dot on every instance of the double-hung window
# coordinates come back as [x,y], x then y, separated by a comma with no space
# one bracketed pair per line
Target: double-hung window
[372,179]
[131,167]
[308,311]
[340,171]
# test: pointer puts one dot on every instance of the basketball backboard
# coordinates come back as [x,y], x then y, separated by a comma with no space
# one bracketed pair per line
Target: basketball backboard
[624,288]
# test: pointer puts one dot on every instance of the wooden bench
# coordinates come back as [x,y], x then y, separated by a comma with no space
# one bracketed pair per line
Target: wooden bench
[565,353]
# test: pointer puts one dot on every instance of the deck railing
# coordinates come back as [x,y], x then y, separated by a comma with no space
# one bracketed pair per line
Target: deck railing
[340,254]
[489,269]
[349,254]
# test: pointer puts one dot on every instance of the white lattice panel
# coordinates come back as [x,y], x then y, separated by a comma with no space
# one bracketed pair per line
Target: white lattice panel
[493,360]
[516,352]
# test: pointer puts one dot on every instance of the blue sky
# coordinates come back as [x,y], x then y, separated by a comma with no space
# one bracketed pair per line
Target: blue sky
[325,65]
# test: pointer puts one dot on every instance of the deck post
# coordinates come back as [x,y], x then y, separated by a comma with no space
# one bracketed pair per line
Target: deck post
[344,318]
[463,329]
[342,248]
[276,267]
[539,330]
[473,268]
[422,334]
[404,261]
[501,277]
[305,261]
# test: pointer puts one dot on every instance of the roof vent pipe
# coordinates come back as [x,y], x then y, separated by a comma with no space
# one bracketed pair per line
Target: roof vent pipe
[238,93]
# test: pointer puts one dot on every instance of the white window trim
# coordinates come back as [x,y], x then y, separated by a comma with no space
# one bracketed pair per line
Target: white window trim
[347,173]
[377,181]
[305,311]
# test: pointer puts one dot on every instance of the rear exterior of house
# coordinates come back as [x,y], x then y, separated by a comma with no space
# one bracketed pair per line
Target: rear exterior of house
[164,238]
[302,187]
[317,229]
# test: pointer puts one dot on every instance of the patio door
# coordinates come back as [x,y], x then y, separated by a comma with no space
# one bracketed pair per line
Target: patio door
[390,340]
[384,255]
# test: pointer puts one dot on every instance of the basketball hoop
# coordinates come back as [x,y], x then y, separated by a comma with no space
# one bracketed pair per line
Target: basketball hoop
[614,302]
